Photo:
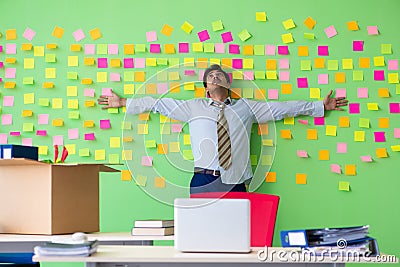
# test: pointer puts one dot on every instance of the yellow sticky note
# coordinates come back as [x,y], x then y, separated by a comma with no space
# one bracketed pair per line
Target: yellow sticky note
[127,154]
[162,149]
[395,148]
[187,27]
[173,76]
[315,93]
[141,180]
[100,154]
[174,147]
[286,134]
[27,80]
[363,123]
[266,160]
[50,73]
[38,51]
[330,130]
[72,61]
[188,86]
[287,38]
[372,106]
[267,142]
[58,122]
[115,142]
[151,62]
[29,63]
[186,139]
[101,77]
[347,64]
[288,24]
[73,104]
[126,175]
[27,127]
[350,169]
[72,90]
[29,98]
[27,113]
[301,178]
[43,150]
[11,34]
[143,128]
[95,34]
[84,152]
[129,89]
[271,75]
[270,177]
[261,16]
[113,158]
[393,77]
[288,120]
[58,32]
[359,136]
[197,47]
[379,61]
[323,155]
[344,186]
[56,103]
[344,122]
[248,63]
[71,149]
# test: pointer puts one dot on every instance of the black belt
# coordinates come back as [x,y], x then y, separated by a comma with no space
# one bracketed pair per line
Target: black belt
[206,171]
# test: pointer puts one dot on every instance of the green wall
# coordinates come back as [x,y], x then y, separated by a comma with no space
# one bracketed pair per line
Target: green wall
[372,198]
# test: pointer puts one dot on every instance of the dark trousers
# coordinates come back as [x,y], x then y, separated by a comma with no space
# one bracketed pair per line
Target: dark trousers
[202,183]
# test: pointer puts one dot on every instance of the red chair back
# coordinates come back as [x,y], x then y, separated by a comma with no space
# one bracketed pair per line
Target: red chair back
[263,210]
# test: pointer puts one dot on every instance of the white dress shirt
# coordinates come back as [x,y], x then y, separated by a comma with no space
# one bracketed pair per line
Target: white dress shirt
[240,114]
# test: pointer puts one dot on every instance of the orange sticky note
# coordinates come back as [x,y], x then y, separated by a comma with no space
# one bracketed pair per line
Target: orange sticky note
[364,62]
[344,122]
[48,85]
[352,25]
[383,92]
[236,93]
[75,48]
[58,122]
[310,22]
[129,49]
[51,46]
[199,92]
[248,50]
[162,149]
[383,122]
[226,63]
[95,34]
[88,61]
[11,34]
[259,93]
[319,63]
[11,60]
[127,139]
[126,175]
[9,85]
[381,153]
[144,116]
[139,76]
[202,63]
[88,124]
[350,169]
[312,134]
[286,134]
[323,155]
[87,81]
[89,103]
[169,49]
[270,177]
[301,178]
[151,88]
[302,51]
[167,30]
[26,47]
[286,88]
[58,32]
[340,77]
[27,113]
[174,87]
[159,182]
[263,129]
[115,62]
[270,64]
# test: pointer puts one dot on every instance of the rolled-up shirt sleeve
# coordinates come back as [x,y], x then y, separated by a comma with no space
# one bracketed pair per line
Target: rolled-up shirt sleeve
[172,108]
[267,111]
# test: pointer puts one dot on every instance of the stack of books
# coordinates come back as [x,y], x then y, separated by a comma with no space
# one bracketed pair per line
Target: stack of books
[153,227]
[67,249]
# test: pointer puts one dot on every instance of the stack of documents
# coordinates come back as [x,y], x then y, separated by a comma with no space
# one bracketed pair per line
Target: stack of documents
[153,227]
[67,249]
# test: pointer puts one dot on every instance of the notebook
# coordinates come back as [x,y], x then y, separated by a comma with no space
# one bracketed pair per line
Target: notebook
[212,225]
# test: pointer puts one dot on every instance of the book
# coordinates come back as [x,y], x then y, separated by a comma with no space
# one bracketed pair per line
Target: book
[67,249]
[153,223]
[153,231]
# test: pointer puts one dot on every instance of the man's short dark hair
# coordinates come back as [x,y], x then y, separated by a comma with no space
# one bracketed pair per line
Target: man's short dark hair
[211,68]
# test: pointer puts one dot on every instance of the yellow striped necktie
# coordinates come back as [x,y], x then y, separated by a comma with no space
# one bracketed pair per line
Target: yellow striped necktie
[224,141]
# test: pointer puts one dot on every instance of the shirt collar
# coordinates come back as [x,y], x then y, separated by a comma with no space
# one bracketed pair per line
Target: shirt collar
[227,101]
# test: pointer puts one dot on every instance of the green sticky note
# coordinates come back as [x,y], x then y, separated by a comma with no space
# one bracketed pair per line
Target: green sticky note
[44,102]
[84,152]
[50,58]
[363,122]
[187,154]
[333,64]
[344,186]
[151,144]
[174,62]
[126,125]
[72,75]
[140,48]
[27,127]
[244,35]
[113,110]
[305,64]
[162,76]
[165,128]
[27,80]
[162,61]
[397,89]
[358,75]
[73,115]
[208,48]
[248,92]
[309,36]
[266,160]
[217,25]
[253,159]
[259,75]
[259,50]
[141,180]
[113,158]
[129,76]
[386,49]
[102,49]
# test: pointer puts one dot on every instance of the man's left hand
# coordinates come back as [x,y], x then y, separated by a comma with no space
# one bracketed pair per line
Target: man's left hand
[334,103]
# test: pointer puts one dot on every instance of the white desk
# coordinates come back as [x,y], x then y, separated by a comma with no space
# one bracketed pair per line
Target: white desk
[126,256]
[26,243]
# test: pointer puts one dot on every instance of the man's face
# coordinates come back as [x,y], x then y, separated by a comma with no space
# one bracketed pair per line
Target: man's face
[216,79]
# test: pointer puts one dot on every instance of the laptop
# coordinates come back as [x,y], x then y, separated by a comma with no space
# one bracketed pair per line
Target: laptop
[212,225]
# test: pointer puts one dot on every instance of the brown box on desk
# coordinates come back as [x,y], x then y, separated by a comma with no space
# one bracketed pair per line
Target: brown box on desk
[41,198]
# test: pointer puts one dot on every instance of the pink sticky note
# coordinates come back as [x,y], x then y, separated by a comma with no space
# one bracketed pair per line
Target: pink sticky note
[248,75]
[89,136]
[234,49]
[330,31]
[140,63]
[379,75]
[336,168]
[183,47]
[113,49]
[29,34]
[393,64]
[147,161]
[88,92]
[396,132]
[6,119]
[203,36]
[3,139]
[284,76]
[106,91]
[189,73]
[176,128]
[41,132]
[58,140]
[362,92]
[273,93]
[115,77]
[270,50]
[102,63]
[8,101]
[219,48]
[354,108]
[237,63]
[319,120]
[323,50]
[162,88]
[151,36]
[323,79]
[305,122]
[43,119]
[341,148]
[372,30]
[340,92]
[284,63]
[226,37]
[366,158]
[73,133]
[11,49]
[358,45]
[128,63]
[230,76]
[10,73]
[78,35]
[26,141]
[302,154]
[283,50]
[105,124]
[155,48]
[1,49]
[15,133]
[394,107]
[1,64]
[302,82]
[379,136]
[201,75]
[90,49]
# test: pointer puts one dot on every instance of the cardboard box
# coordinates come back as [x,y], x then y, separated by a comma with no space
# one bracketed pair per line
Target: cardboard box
[41,198]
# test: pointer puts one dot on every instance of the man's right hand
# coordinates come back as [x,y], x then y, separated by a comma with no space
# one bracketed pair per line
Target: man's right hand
[113,101]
